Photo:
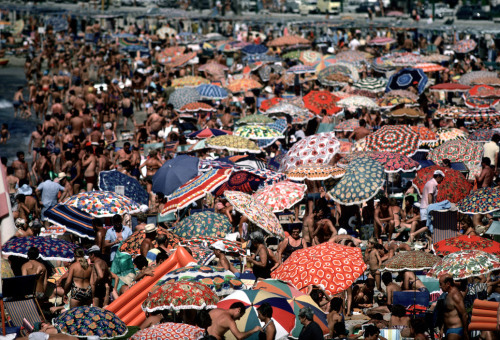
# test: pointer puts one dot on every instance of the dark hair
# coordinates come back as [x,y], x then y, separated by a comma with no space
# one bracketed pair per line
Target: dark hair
[495,138]
[336,304]
[239,305]
[315,295]
[141,217]
[203,319]
[140,262]
[266,310]
[371,330]
[419,326]
[486,161]
[384,200]
[21,198]
[339,328]
[362,122]
[398,310]
[386,278]
[116,219]
[33,253]
[449,280]
[161,257]
[97,222]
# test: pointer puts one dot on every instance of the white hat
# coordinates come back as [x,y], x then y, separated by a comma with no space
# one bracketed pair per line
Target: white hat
[439,172]
[416,204]
[20,221]
[94,249]
[25,190]
[143,208]
[268,89]
[219,245]
[108,125]
[150,228]
[342,231]
[61,175]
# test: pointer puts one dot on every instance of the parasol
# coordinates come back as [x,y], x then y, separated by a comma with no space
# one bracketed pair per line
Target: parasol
[407,78]
[205,223]
[232,143]
[102,203]
[280,196]
[393,138]
[110,180]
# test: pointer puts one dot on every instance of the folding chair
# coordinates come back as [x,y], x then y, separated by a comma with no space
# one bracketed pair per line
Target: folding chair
[20,301]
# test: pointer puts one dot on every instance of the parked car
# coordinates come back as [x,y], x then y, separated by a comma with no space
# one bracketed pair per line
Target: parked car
[292,6]
[467,12]
[441,11]
[308,6]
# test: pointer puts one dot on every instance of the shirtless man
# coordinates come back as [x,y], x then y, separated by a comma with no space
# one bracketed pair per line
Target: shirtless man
[76,123]
[360,132]
[224,320]
[147,244]
[78,281]
[334,315]
[390,288]
[218,248]
[20,105]
[384,219]
[320,229]
[124,154]
[455,315]
[95,136]
[33,267]
[20,166]
[485,179]
[227,120]
[89,163]
[152,165]
[154,123]
[100,279]
[375,262]
[100,232]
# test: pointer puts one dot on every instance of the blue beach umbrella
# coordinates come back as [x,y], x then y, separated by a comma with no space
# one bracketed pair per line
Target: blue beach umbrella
[73,219]
[175,173]
[108,180]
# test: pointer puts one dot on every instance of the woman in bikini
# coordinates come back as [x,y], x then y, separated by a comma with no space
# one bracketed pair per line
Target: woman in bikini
[78,281]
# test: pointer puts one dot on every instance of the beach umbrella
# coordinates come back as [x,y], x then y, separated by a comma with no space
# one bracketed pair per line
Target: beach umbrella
[87,321]
[425,135]
[325,62]
[448,134]
[230,247]
[464,264]
[178,60]
[411,260]
[482,135]
[257,132]
[261,176]
[169,331]
[430,67]
[51,249]
[207,133]
[449,87]
[453,188]
[345,147]
[313,172]
[406,112]
[172,51]
[174,173]
[254,49]
[183,96]
[213,68]
[371,84]
[180,295]
[266,70]
[393,138]
[264,58]
[310,57]
[469,77]
[332,265]
[473,99]
[355,102]
[395,98]
[347,125]
[363,179]
[245,162]
[205,223]
[288,40]
[392,162]
[480,201]
[293,55]
[243,85]
[316,149]
[189,81]
[280,196]
[212,92]
[74,220]
[339,73]
[232,143]
[103,203]
[353,57]
[269,103]
[435,58]
[381,41]
[301,69]
[244,181]
[256,212]
[458,150]
[287,108]
[283,315]
[196,107]
[466,242]
[464,46]
[219,280]
[132,245]
[255,119]
[316,101]
[407,78]
[109,180]
[195,189]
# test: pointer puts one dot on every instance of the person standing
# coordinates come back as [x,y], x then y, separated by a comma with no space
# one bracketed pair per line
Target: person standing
[455,315]
[429,194]
[48,191]
[265,314]
[310,330]
[78,281]
[225,320]
[491,150]
[115,235]
[485,179]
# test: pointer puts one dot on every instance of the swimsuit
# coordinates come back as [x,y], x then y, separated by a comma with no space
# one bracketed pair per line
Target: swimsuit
[81,294]
[458,330]
[289,249]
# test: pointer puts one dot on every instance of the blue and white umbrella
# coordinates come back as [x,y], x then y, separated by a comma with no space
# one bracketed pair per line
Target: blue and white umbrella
[210,91]
[109,180]
[407,78]
[254,49]
[301,69]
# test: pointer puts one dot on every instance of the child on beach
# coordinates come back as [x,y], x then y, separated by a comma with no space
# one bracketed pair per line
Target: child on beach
[4,134]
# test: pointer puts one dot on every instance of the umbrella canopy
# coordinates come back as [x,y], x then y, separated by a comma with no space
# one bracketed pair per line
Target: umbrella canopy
[197,106]
[371,84]
[103,203]
[363,179]
[355,102]
[169,331]
[230,247]
[74,220]
[301,69]
[213,68]
[464,46]
[310,57]
[411,260]
[255,119]
[205,223]
[316,149]
[180,295]
[469,77]
[465,151]
[207,133]
[254,49]
[335,75]
[450,87]
[347,125]
[288,40]
[316,101]
[183,96]
[243,181]
[109,180]
[174,173]
[178,60]
[51,249]
[353,57]
[466,242]
[392,162]
[325,62]
[218,279]
[245,162]
[280,196]
[256,212]
[319,172]
[430,67]
[393,138]
[243,85]
[132,245]
[381,41]
[287,108]
[232,143]
[474,100]
[453,188]
[481,201]
[189,81]
[425,135]
[464,264]
[407,78]
[258,132]
[212,92]
[87,321]
[407,113]
[334,266]
[194,189]
[482,135]
[269,103]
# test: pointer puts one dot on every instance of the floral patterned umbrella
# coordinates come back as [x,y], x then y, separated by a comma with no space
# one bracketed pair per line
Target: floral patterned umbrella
[425,135]
[449,134]
[435,58]
[453,188]
[213,68]
[316,149]
[183,96]
[51,249]
[464,264]
[464,46]
[466,242]
[189,81]
[482,135]
[363,179]
[280,196]
[232,143]
[407,113]
[256,212]
[132,245]
[197,106]
[87,321]
[244,181]
[109,180]
[269,103]
[243,85]
[169,331]
[231,247]
[212,92]
[473,99]
[288,40]
[195,189]
[313,172]
[371,84]
[315,101]
[411,260]
[334,266]
[218,279]
[381,41]
[103,203]
[310,57]
[481,201]
[180,295]
[355,102]
[287,108]
[257,132]
[347,125]
[353,57]
[407,78]
[392,162]
[465,151]
[393,138]
[205,223]
[255,119]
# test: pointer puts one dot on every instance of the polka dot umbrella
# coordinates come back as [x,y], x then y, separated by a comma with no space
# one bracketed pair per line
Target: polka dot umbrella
[393,138]
[334,266]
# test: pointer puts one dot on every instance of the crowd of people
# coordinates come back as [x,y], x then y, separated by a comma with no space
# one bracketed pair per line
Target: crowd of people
[98,106]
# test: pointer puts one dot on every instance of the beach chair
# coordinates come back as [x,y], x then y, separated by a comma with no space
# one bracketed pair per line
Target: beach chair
[20,301]
[444,223]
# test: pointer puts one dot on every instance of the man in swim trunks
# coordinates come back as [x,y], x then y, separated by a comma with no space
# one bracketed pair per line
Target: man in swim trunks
[455,315]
